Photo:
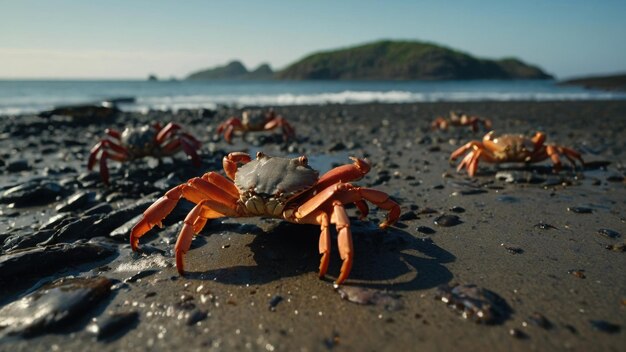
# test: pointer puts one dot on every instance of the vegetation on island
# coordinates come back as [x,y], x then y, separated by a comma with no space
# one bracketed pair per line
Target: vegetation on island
[385,60]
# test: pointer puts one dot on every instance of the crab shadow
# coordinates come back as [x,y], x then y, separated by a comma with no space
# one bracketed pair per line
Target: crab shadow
[382,259]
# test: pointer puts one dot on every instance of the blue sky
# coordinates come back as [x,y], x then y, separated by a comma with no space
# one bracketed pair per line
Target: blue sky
[130,39]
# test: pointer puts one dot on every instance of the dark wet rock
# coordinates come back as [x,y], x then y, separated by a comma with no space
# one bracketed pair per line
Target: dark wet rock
[409,215]
[580,210]
[368,296]
[274,302]
[427,211]
[438,186]
[447,220]
[518,334]
[81,228]
[122,233]
[469,192]
[457,209]
[110,326]
[597,164]
[39,261]
[76,202]
[196,316]
[34,192]
[605,326]
[544,226]
[608,233]
[56,221]
[101,208]
[185,302]
[474,303]
[53,306]
[577,273]
[512,249]
[519,177]
[18,165]
[84,114]
[615,177]
[538,319]
[425,230]
[140,275]
[119,218]
[507,199]
[337,147]
[381,178]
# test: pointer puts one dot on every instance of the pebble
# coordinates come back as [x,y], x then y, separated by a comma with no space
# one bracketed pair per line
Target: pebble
[409,215]
[608,233]
[513,249]
[474,303]
[425,230]
[544,226]
[18,165]
[447,220]
[539,320]
[605,326]
[195,316]
[110,325]
[367,296]
[580,210]
[518,177]
[53,306]
[274,302]
[578,273]
[457,209]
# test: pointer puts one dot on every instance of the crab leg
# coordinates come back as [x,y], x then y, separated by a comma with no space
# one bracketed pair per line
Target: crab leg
[468,146]
[103,145]
[439,124]
[318,217]
[195,190]
[222,182]
[571,154]
[229,126]
[554,156]
[206,209]
[347,193]
[344,240]
[190,149]
[344,173]
[113,133]
[276,121]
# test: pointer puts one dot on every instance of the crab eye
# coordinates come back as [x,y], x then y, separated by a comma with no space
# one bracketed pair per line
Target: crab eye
[260,155]
[303,160]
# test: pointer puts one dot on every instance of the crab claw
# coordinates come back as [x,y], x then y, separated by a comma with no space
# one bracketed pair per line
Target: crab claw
[154,215]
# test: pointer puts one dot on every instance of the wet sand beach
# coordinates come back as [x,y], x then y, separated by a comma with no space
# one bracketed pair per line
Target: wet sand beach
[545,251]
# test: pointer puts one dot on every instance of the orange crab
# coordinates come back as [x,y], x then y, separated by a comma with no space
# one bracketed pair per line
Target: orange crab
[138,142]
[512,148]
[255,120]
[459,118]
[274,187]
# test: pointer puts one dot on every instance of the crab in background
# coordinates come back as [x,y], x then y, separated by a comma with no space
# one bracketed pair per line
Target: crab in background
[138,142]
[460,118]
[512,148]
[275,187]
[255,120]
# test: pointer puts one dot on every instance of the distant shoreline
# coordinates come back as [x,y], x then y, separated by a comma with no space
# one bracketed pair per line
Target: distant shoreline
[605,82]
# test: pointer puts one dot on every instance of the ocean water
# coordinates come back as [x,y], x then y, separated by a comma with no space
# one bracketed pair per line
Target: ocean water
[29,96]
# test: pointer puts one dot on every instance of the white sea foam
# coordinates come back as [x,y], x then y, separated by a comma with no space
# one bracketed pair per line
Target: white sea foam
[32,97]
[353,97]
